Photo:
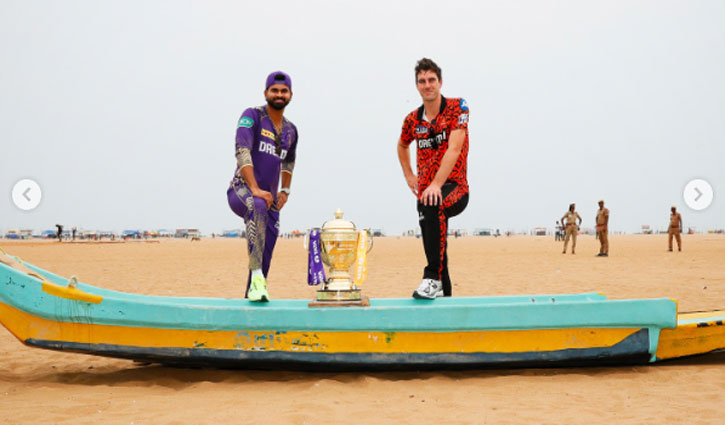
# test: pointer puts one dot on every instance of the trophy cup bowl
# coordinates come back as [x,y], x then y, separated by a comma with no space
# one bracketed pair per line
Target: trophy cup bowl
[339,248]
[339,245]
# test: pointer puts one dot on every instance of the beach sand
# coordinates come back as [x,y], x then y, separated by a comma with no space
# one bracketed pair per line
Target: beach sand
[41,386]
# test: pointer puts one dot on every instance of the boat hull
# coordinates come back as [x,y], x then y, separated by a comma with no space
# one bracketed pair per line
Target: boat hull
[543,330]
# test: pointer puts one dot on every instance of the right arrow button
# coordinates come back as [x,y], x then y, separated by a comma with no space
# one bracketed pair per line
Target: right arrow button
[698,194]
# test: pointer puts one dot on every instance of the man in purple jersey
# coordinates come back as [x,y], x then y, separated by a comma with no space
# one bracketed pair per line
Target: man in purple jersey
[265,150]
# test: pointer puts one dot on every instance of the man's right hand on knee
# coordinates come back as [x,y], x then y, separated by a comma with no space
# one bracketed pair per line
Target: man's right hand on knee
[267,196]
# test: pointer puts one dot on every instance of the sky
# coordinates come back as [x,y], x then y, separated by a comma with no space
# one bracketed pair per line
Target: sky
[125,112]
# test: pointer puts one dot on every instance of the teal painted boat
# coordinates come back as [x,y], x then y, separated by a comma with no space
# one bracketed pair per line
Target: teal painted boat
[45,310]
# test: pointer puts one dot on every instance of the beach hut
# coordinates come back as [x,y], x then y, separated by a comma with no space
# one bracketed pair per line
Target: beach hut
[540,231]
[134,234]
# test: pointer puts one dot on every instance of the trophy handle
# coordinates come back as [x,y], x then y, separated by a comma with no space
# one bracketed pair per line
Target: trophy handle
[370,237]
[306,239]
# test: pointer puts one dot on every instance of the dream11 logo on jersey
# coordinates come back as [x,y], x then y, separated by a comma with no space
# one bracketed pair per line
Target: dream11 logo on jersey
[428,143]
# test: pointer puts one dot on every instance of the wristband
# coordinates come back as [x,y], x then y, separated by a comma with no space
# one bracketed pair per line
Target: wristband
[285,190]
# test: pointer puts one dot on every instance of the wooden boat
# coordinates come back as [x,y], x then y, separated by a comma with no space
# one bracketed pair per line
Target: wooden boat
[44,310]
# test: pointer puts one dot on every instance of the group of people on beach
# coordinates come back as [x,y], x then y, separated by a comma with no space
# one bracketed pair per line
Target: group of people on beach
[265,149]
[266,144]
[570,226]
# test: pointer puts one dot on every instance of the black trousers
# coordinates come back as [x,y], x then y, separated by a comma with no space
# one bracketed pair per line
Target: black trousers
[433,220]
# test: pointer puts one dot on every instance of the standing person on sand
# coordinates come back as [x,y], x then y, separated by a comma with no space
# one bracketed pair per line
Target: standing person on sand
[266,143]
[569,220]
[675,228]
[439,128]
[557,232]
[603,229]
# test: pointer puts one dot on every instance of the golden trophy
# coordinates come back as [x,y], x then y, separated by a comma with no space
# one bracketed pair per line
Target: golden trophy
[341,247]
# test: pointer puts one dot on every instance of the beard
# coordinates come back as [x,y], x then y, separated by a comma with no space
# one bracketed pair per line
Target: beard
[278,103]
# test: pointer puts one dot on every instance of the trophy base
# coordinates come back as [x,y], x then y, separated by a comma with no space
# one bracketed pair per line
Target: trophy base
[340,298]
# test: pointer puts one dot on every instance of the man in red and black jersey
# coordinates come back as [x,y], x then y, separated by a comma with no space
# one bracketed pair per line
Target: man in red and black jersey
[439,129]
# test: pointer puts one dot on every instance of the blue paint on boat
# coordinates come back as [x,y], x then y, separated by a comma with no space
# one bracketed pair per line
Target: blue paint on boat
[632,350]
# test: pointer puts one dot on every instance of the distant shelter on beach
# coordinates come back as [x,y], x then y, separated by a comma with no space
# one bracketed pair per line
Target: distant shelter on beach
[187,233]
[234,233]
[131,234]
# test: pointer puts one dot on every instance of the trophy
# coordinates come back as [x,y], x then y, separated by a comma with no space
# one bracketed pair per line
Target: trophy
[340,246]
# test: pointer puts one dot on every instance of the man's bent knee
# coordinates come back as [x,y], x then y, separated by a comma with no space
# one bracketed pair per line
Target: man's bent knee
[260,206]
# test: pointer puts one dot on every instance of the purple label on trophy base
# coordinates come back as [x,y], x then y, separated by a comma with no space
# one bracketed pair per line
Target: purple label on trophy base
[315,269]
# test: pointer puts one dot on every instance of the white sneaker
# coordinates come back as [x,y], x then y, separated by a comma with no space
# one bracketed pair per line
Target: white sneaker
[429,289]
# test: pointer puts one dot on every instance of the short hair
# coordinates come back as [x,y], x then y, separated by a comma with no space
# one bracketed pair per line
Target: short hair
[426,64]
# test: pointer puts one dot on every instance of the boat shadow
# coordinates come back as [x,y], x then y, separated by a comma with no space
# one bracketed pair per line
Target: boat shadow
[174,377]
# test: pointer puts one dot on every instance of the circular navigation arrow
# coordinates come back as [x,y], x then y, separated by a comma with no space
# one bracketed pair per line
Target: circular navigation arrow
[698,194]
[26,194]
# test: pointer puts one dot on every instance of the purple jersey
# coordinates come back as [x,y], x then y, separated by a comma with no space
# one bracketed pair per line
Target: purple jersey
[269,151]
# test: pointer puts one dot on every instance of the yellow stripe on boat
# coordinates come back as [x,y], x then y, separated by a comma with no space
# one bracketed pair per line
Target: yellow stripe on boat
[696,333]
[69,293]
[26,326]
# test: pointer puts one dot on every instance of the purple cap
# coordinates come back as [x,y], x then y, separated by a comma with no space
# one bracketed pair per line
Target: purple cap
[278,77]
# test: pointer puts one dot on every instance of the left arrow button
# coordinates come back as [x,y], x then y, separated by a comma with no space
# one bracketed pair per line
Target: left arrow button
[27,194]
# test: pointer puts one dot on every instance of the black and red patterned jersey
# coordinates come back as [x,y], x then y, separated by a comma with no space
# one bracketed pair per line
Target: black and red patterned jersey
[432,141]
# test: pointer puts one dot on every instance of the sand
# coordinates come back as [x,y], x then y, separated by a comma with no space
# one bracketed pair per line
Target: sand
[40,386]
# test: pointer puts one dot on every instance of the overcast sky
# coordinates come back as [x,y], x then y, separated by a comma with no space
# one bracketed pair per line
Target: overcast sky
[125,112]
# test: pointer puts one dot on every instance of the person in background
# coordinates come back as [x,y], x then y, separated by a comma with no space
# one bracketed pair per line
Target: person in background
[675,228]
[603,229]
[572,227]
